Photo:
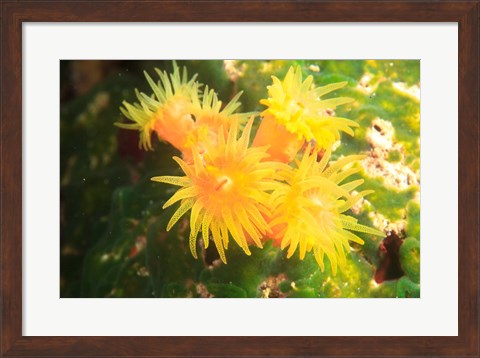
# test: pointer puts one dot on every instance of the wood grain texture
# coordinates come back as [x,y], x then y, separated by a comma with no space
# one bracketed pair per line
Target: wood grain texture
[241,11]
[11,179]
[14,13]
[468,178]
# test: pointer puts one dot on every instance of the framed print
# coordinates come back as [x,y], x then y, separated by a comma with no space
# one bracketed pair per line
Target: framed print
[245,260]
[194,160]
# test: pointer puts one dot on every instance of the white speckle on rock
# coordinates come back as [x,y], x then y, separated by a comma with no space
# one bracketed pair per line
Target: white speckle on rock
[385,225]
[412,91]
[233,70]
[366,86]
[203,291]
[380,135]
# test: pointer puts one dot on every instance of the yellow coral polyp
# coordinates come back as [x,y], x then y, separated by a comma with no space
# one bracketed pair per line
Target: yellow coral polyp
[208,111]
[167,111]
[210,116]
[298,106]
[309,209]
[226,191]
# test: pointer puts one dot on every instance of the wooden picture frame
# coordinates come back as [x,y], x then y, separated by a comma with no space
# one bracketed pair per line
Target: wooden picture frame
[15,13]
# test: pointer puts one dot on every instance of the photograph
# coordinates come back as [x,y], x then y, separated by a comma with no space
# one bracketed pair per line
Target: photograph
[265,178]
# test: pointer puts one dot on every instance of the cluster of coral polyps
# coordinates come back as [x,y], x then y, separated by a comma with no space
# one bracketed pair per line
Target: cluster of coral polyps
[280,186]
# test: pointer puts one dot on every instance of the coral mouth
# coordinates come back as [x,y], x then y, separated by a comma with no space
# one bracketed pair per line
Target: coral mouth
[224,183]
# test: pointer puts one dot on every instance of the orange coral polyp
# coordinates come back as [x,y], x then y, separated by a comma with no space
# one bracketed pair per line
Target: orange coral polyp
[173,122]
[166,111]
[226,190]
[220,188]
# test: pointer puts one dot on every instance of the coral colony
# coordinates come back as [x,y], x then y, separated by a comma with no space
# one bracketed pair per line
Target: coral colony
[280,185]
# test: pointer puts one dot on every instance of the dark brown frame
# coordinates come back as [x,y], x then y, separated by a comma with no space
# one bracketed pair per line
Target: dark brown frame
[14,13]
